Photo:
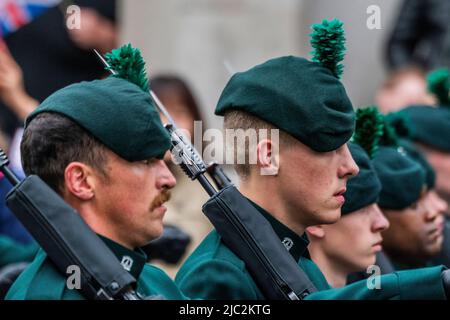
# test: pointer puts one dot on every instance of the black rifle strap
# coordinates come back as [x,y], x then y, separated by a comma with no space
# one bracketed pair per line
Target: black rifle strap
[251,237]
[67,239]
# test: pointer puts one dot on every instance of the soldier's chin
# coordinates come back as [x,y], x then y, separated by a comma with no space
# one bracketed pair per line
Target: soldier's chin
[363,263]
[435,246]
[332,216]
[156,231]
[329,216]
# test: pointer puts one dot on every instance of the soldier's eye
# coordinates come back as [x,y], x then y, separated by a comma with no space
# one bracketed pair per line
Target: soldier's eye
[148,162]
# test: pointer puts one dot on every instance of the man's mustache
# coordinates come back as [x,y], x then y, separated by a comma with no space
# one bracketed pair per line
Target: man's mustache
[164,196]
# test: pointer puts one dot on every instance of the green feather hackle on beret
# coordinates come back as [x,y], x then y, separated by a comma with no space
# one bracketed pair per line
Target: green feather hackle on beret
[369,129]
[328,42]
[389,137]
[439,85]
[401,125]
[128,64]
[396,126]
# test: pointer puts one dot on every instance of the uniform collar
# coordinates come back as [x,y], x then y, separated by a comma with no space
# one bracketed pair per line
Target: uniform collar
[399,266]
[132,261]
[295,244]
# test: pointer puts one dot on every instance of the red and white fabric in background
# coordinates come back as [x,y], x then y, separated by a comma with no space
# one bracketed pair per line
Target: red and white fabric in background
[17,13]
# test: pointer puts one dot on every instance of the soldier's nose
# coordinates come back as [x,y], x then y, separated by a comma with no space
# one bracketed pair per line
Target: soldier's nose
[165,177]
[381,223]
[349,168]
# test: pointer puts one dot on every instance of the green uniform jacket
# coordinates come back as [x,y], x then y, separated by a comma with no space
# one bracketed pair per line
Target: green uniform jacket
[12,252]
[214,272]
[41,280]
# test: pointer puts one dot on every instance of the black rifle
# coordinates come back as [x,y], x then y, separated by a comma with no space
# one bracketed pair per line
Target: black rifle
[242,228]
[67,239]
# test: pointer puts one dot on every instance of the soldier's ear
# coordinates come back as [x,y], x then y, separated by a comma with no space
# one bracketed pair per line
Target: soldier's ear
[267,156]
[77,181]
[316,232]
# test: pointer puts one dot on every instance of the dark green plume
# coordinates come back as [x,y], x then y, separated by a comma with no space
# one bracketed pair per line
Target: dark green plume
[439,85]
[128,64]
[327,40]
[396,126]
[369,129]
[390,137]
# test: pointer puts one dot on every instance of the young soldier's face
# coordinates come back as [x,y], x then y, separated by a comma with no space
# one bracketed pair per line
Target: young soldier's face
[351,243]
[132,198]
[313,183]
[416,231]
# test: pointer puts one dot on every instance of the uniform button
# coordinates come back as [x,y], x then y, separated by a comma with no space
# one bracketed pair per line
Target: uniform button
[114,286]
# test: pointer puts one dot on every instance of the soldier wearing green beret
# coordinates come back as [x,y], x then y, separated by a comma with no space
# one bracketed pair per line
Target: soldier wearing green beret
[351,244]
[429,129]
[434,201]
[100,145]
[414,210]
[415,233]
[429,132]
[408,200]
[309,169]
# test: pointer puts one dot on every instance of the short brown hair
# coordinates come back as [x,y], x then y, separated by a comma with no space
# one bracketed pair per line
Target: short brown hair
[51,142]
[236,119]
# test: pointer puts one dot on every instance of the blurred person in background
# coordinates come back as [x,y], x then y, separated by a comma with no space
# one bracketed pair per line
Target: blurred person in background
[419,42]
[403,88]
[52,56]
[12,89]
[13,94]
[179,100]
[421,36]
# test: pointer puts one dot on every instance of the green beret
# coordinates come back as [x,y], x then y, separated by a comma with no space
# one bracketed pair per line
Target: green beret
[402,178]
[415,154]
[438,83]
[298,96]
[116,112]
[363,189]
[429,125]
